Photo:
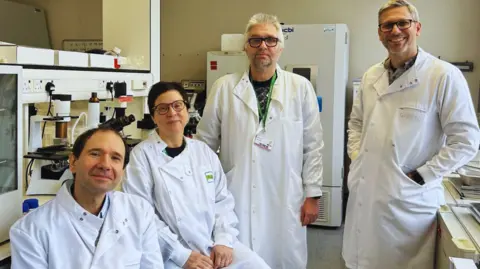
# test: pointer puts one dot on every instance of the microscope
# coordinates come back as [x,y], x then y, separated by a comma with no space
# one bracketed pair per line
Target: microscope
[48,166]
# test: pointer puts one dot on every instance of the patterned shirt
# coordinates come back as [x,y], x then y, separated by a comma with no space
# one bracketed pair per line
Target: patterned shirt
[393,73]
[261,89]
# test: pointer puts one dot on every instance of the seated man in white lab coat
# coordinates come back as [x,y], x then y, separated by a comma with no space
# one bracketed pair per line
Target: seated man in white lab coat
[87,225]
[184,180]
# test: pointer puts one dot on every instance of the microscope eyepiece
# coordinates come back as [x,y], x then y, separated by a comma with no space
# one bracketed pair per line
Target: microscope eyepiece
[118,123]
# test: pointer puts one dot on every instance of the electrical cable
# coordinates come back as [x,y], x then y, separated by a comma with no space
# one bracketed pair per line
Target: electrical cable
[49,113]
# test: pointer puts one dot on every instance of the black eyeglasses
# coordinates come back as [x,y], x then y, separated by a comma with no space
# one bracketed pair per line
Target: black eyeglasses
[255,42]
[401,25]
[162,109]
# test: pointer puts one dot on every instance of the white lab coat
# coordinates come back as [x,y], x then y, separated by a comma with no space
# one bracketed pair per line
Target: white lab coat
[61,235]
[269,186]
[424,120]
[193,205]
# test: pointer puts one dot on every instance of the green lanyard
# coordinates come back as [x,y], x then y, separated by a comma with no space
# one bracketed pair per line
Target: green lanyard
[263,116]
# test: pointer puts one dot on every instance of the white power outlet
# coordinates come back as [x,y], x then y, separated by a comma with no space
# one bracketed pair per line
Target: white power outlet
[102,85]
[37,85]
[27,86]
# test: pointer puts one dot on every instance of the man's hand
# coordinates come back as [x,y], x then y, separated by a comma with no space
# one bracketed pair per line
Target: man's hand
[309,211]
[198,261]
[222,256]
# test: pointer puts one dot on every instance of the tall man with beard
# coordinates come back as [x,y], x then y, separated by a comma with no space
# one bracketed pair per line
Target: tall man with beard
[266,123]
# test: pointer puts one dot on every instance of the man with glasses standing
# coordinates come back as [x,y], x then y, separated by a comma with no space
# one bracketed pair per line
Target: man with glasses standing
[412,123]
[266,123]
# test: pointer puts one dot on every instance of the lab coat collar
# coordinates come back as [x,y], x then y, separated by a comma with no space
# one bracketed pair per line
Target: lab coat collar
[244,90]
[68,202]
[177,167]
[407,80]
[161,144]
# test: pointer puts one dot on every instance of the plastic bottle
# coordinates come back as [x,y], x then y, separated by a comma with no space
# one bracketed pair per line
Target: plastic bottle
[93,118]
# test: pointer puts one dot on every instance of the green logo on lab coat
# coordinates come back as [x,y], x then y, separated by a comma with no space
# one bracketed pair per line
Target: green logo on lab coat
[209,176]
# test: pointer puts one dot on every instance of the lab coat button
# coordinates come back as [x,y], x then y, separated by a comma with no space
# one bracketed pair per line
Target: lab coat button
[254,186]
[81,219]
[189,172]
[116,231]
[179,219]
[84,213]
[253,161]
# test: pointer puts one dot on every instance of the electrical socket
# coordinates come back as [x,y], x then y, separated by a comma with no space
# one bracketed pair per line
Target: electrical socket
[37,86]
[27,86]
[102,85]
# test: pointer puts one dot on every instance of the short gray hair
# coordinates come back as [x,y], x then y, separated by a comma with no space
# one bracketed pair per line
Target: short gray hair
[399,3]
[261,18]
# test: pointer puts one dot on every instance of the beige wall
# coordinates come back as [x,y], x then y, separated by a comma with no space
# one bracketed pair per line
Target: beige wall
[70,19]
[190,28]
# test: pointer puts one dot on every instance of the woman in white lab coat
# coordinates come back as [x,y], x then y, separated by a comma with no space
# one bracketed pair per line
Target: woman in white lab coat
[183,179]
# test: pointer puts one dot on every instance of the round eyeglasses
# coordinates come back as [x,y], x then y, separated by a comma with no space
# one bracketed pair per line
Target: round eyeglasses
[256,42]
[162,109]
[401,25]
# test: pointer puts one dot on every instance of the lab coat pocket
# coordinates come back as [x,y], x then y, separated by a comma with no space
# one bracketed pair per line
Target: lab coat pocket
[407,132]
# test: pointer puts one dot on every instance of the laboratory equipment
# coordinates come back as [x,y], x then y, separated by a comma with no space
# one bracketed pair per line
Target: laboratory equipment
[320,53]
[49,165]
[11,134]
[118,123]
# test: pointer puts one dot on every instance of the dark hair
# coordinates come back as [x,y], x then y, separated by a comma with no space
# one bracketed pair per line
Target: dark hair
[82,140]
[160,88]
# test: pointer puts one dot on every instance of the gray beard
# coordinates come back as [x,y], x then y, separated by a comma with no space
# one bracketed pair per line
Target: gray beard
[262,65]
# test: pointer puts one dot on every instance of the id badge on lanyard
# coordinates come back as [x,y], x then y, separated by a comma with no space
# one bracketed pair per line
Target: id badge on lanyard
[261,140]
